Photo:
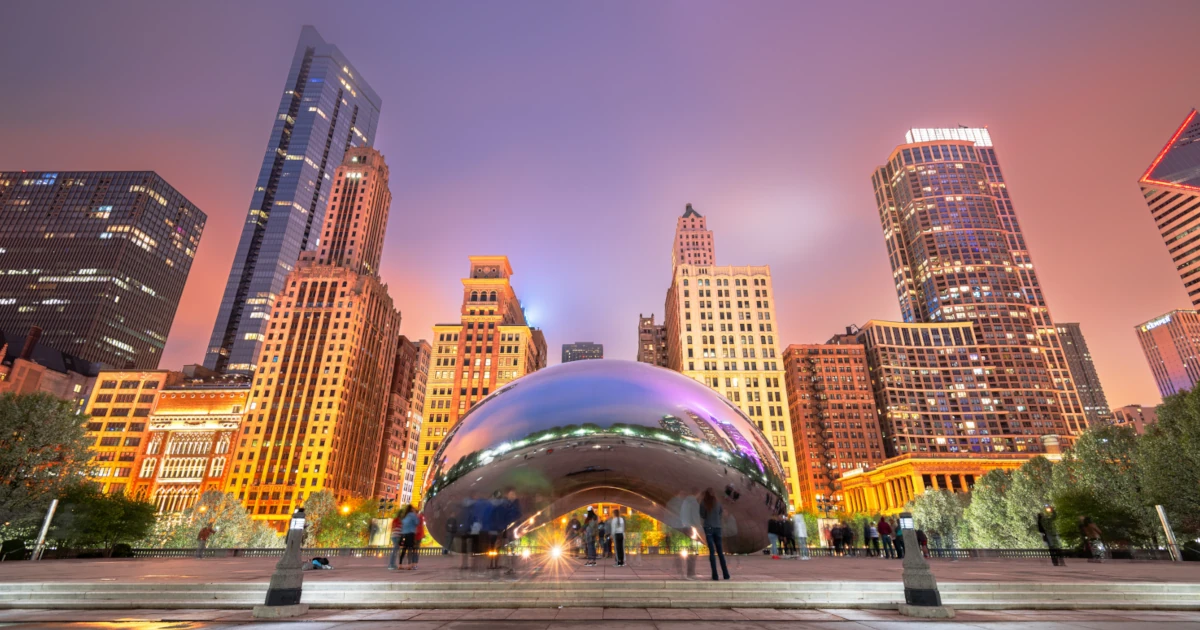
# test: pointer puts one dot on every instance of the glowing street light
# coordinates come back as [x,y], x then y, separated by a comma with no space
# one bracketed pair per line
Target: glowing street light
[556,552]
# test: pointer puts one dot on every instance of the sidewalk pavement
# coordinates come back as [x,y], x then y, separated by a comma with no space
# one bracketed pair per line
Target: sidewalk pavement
[598,619]
[446,568]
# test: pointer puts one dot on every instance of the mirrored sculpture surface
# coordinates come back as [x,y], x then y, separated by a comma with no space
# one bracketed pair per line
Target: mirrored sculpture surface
[603,431]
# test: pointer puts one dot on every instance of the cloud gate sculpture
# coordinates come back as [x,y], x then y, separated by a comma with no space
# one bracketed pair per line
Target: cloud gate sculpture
[606,431]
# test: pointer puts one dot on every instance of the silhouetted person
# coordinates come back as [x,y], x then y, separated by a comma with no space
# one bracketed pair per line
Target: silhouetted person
[710,511]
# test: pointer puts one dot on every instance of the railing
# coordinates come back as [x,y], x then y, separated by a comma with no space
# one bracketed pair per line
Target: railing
[935,553]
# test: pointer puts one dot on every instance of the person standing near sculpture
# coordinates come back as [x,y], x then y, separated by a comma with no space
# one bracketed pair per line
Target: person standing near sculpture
[800,528]
[711,512]
[616,526]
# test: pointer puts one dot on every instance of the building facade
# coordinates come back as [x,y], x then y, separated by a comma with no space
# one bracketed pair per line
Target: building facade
[27,368]
[1171,343]
[491,345]
[835,426]
[1171,188]
[1135,417]
[118,412]
[326,109]
[938,393]
[958,255]
[318,404]
[192,431]
[652,341]
[720,330]
[581,350]
[97,260]
[1087,380]
[891,486]
[393,484]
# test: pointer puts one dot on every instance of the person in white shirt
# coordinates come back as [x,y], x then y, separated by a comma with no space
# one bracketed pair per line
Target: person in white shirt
[801,534]
[616,526]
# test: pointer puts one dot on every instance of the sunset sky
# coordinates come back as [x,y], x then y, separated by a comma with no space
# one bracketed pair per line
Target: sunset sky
[570,135]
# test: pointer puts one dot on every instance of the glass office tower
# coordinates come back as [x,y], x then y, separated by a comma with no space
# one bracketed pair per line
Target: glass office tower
[97,260]
[958,255]
[326,108]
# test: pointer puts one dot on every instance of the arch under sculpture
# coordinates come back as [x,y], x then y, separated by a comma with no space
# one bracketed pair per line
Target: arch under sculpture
[606,431]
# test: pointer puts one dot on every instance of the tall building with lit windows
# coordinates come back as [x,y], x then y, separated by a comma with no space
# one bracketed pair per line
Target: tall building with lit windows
[1171,187]
[491,345]
[958,255]
[1087,379]
[397,466]
[326,109]
[97,260]
[118,412]
[318,403]
[1171,343]
[720,330]
[835,426]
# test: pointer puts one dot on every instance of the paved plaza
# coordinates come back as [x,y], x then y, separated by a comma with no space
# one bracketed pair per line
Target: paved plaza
[599,619]
[755,568]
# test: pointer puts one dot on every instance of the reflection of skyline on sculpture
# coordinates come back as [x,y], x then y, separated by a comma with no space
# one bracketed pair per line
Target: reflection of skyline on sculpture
[637,434]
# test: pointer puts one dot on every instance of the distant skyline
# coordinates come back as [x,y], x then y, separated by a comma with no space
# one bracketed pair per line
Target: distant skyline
[569,137]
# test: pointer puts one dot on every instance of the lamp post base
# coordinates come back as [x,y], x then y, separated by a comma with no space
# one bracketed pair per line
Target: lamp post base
[927,612]
[279,612]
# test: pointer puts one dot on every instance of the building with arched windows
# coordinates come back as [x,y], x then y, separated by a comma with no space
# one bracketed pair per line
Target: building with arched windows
[189,441]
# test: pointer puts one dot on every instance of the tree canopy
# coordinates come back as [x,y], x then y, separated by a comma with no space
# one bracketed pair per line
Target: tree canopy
[232,525]
[1169,453]
[88,518]
[43,452]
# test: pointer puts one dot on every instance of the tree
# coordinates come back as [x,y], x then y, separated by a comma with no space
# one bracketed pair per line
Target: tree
[43,451]
[941,512]
[88,518]
[1028,495]
[1169,454]
[333,525]
[986,517]
[225,514]
[1100,477]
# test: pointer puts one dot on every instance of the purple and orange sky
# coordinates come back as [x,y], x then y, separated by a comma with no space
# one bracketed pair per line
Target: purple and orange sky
[569,136]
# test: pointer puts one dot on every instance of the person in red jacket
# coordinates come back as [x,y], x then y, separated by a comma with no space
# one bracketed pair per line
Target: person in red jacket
[885,537]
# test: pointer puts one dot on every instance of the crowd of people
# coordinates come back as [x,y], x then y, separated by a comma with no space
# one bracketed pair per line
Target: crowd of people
[598,538]
[882,539]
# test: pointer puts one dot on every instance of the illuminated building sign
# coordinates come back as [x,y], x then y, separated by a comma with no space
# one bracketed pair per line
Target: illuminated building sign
[1150,325]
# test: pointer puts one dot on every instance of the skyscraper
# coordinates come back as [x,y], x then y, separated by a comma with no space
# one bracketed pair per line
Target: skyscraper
[581,350]
[652,341]
[491,345]
[835,426]
[1087,380]
[693,240]
[728,343]
[97,260]
[1171,343]
[1171,187]
[326,109]
[958,255]
[319,400]
[397,467]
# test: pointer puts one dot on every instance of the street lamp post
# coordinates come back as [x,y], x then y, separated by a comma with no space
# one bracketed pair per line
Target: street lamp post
[921,596]
[283,594]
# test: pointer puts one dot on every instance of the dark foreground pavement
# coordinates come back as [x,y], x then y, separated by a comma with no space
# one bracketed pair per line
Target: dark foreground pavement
[746,568]
[598,619]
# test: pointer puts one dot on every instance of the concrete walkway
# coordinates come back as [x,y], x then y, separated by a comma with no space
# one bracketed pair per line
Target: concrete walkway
[600,619]
[744,568]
